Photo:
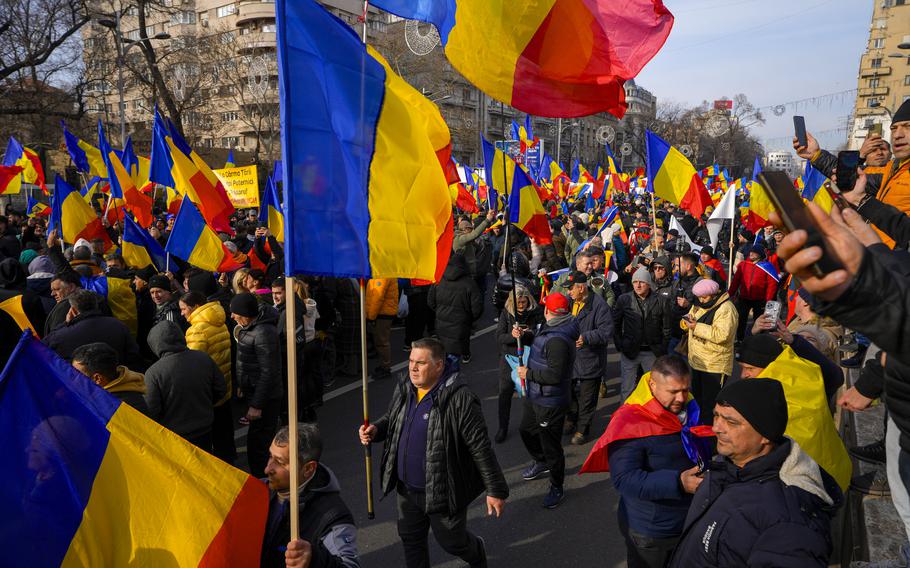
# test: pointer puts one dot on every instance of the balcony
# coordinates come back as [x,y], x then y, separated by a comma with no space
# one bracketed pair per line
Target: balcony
[250,10]
[875,71]
[257,40]
[873,91]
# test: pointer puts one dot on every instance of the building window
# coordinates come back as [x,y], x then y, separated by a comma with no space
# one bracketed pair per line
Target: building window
[872,103]
[878,43]
[228,10]
[900,2]
[467,95]
[230,141]
[132,34]
[873,82]
[881,23]
[876,63]
[227,37]
[268,28]
[183,18]
[906,80]
[230,116]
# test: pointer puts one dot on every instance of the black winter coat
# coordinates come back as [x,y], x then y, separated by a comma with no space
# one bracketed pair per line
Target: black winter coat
[258,359]
[774,512]
[682,288]
[460,462]
[309,391]
[92,327]
[457,303]
[637,323]
[595,326]
[889,219]
[508,345]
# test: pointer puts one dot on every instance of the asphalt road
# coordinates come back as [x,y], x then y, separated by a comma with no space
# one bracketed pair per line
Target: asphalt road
[582,532]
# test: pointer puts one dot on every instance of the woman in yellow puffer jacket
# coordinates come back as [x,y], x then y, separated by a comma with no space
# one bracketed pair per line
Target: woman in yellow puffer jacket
[208,332]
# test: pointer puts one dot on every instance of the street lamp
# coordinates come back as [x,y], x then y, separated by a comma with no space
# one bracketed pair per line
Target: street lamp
[114,26]
[559,130]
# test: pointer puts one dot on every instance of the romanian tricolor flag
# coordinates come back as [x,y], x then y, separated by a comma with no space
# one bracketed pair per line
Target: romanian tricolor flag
[137,166]
[124,192]
[90,481]
[642,416]
[810,422]
[524,134]
[760,205]
[75,218]
[195,242]
[814,188]
[174,199]
[270,213]
[175,164]
[32,172]
[562,58]
[9,176]
[672,177]
[526,211]
[35,208]
[85,157]
[366,184]
[499,169]
[140,249]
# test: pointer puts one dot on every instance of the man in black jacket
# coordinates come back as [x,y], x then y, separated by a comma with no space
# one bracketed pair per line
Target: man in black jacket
[166,307]
[182,387]
[258,374]
[641,324]
[458,304]
[764,501]
[595,326]
[548,380]
[328,537]
[681,296]
[437,456]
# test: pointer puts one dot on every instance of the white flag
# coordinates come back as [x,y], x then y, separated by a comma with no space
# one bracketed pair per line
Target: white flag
[726,209]
[674,224]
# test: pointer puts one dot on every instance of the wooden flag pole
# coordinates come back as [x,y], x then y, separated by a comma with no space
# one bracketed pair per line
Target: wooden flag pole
[654,224]
[367,452]
[290,302]
[730,267]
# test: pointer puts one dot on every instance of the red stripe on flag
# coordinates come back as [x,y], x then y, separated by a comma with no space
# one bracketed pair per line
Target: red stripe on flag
[239,540]
[697,198]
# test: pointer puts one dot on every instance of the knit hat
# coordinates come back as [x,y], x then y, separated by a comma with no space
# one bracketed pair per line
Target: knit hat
[758,249]
[145,274]
[707,250]
[202,282]
[759,350]
[706,287]
[26,256]
[642,275]
[160,281]
[746,234]
[577,277]
[903,112]
[41,264]
[555,303]
[761,402]
[245,305]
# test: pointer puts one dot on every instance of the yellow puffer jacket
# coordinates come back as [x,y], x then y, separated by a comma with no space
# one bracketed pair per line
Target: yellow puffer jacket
[382,298]
[208,332]
[711,346]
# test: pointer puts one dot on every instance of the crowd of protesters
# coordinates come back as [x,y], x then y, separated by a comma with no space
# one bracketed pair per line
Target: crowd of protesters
[202,353]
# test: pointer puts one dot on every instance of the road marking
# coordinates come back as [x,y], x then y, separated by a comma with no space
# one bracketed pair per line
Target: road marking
[357,384]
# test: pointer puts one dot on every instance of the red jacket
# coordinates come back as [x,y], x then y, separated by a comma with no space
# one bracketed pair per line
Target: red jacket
[752,283]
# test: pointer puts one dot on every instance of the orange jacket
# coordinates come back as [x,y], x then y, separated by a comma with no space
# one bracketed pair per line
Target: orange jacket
[895,189]
[382,298]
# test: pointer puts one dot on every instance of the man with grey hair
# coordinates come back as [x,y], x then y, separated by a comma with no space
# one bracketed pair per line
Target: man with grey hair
[466,235]
[641,324]
[437,457]
[587,260]
[327,535]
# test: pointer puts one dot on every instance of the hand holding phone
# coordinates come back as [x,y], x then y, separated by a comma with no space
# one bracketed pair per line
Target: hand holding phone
[845,171]
[799,127]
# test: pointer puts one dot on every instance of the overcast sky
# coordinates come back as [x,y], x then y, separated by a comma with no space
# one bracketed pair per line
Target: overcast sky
[773,51]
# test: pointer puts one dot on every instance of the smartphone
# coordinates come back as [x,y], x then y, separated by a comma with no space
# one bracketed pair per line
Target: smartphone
[795,215]
[847,162]
[799,126]
[772,310]
[876,129]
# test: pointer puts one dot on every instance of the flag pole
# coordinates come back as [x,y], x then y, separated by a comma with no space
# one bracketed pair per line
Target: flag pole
[367,451]
[290,302]
[730,258]
[654,224]
[508,248]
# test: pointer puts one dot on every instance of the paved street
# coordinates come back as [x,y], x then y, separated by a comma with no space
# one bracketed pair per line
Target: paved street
[584,526]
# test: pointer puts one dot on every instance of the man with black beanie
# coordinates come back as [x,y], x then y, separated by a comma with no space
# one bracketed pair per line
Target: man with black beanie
[764,501]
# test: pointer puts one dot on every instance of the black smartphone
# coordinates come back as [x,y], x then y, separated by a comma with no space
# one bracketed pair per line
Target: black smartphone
[795,215]
[847,162]
[799,126]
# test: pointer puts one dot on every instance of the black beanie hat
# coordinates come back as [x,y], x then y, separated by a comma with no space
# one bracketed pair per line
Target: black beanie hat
[761,402]
[160,281]
[245,305]
[903,112]
[202,282]
[759,350]
[145,274]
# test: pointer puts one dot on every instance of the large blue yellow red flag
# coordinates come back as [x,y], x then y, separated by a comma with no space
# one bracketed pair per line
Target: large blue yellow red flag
[672,177]
[85,476]
[499,170]
[814,188]
[270,212]
[195,242]
[136,165]
[526,210]
[32,172]
[73,217]
[367,157]
[85,157]
[123,189]
[559,58]
[643,416]
[139,249]
[175,164]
